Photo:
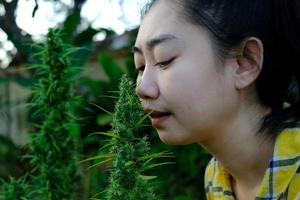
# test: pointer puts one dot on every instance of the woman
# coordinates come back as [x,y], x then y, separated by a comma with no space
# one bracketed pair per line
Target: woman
[224,74]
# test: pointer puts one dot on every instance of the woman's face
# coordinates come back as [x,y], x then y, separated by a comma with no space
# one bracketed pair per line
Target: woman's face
[181,74]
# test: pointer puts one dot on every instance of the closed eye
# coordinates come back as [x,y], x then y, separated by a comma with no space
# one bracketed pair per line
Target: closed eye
[165,63]
[160,64]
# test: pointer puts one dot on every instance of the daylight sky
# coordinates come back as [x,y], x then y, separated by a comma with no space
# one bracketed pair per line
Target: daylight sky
[101,13]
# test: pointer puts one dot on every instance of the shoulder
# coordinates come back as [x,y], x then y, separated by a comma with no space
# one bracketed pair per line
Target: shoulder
[210,171]
[209,178]
[285,164]
[217,181]
[293,191]
[288,144]
[288,155]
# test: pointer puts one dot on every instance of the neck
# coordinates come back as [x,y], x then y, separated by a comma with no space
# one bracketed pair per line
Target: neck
[242,152]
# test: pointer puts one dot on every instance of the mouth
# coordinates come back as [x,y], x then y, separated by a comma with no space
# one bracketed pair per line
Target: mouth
[158,114]
[158,117]
[155,113]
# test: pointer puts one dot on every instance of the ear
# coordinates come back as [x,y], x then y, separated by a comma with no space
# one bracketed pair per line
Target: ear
[249,62]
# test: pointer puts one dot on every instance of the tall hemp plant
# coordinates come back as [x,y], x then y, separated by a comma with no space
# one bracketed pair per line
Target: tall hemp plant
[15,189]
[128,152]
[52,149]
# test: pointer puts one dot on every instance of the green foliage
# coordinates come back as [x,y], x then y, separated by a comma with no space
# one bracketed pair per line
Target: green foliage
[69,27]
[16,189]
[110,67]
[25,82]
[52,149]
[185,180]
[128,111]
[129,153]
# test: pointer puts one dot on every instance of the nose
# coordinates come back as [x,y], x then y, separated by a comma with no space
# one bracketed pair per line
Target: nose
[146,87]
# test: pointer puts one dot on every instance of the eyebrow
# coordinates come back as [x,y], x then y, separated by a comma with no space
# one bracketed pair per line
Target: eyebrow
[151,44]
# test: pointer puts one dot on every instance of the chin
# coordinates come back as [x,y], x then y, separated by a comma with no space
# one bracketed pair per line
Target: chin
[167,139]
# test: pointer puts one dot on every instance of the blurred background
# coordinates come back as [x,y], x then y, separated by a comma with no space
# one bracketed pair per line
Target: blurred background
[105,31]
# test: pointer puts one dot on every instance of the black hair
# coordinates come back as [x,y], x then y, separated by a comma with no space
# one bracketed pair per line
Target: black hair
[277,24]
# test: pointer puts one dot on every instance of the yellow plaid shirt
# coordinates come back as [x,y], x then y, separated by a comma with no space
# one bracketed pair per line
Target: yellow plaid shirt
[281,180]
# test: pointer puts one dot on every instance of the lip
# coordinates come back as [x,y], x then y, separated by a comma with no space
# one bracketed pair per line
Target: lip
[155,113]
[157,121]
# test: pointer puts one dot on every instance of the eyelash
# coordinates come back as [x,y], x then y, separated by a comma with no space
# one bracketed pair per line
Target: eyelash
[160,64]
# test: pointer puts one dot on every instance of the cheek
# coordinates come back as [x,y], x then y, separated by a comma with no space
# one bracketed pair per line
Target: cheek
[196,96]
[194,76]
[188,85]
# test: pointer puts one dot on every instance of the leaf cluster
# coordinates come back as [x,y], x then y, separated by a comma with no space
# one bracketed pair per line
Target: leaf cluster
[52,149]
[128,153]
[16,189]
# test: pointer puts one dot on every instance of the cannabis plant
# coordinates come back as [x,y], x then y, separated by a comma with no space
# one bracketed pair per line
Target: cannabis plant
[16,189]
[129,152]
[52,148]
[52,151]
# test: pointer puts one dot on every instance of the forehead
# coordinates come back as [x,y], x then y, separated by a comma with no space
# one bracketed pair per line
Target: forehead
[162,18]
[166,18]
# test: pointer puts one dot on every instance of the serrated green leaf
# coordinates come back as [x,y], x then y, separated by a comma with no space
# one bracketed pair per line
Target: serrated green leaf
[147,178]
[157,165]
[95,158]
